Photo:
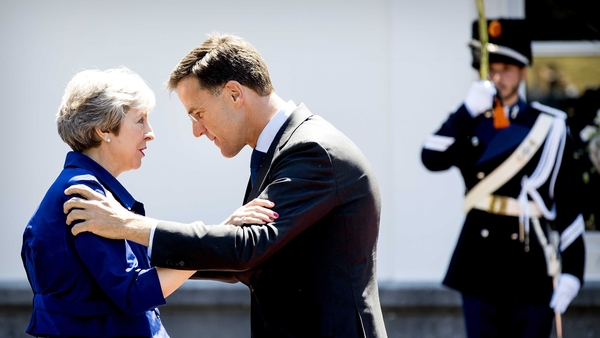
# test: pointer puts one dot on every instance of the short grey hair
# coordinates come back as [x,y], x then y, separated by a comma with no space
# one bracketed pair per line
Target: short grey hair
[100,99]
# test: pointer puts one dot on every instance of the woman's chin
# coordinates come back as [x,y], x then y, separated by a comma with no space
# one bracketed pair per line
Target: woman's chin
[134,166]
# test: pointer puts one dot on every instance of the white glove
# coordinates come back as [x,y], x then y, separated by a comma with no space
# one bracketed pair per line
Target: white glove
[567,288]
[480,97]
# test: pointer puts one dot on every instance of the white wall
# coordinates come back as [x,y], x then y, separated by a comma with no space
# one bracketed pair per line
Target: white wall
[384,72]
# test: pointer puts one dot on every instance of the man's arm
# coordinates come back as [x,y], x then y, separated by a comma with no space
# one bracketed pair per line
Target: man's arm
[571,226]
[302,185]
[105,217]
[443,149]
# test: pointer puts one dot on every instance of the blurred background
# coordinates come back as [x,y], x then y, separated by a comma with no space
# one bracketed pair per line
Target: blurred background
[385,72]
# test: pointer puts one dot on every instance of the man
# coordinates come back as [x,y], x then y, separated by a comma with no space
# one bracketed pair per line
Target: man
[311,273]
[518,188]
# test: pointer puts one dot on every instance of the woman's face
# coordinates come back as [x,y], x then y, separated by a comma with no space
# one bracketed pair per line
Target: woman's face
[127,149]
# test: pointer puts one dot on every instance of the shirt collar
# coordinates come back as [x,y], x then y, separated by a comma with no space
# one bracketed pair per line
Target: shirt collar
[267,136]
[514,110]
[78,160]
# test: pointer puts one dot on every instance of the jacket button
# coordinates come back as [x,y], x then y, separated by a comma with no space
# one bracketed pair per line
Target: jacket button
[475,141]
[514,236]
[488,114]
[480,175]
[485,233]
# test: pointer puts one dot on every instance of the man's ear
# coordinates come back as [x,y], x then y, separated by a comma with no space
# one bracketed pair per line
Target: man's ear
[235,91]
[523,73]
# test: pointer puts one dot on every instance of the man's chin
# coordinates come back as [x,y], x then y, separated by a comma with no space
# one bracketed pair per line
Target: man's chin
[226,153]
[509,97]
[229,153]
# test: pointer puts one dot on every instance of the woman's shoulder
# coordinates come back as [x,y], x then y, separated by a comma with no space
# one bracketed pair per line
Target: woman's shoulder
[72,176]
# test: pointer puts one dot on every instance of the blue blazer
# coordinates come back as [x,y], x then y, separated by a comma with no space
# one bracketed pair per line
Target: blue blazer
[88,285]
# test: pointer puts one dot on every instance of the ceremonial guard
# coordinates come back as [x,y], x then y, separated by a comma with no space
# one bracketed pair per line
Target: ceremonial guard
[519,259]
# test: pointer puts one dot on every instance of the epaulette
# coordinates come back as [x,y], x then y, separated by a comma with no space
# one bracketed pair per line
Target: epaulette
[549,110]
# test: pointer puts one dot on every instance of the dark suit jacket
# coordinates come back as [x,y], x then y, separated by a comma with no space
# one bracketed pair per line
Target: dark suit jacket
[311,273]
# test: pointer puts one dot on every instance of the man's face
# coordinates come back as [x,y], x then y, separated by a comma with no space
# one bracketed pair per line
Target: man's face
[216,117]
[507,78]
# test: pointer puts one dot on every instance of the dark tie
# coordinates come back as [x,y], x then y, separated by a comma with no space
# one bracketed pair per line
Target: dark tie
[255,162]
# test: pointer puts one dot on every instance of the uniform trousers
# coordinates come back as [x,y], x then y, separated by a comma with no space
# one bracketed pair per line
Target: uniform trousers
[489,319]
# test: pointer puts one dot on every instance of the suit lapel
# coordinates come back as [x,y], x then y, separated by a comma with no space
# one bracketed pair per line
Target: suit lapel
[298,116]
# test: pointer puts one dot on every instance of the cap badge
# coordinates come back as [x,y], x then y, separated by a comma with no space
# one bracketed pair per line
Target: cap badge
[495,29]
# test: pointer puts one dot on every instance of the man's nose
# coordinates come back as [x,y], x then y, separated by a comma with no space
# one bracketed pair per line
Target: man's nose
[198,129]
[495,77]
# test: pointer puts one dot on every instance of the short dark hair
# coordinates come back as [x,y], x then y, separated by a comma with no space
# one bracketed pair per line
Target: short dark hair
[222,58]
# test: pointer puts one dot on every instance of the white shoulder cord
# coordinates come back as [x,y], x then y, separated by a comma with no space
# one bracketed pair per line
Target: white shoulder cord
[549,162]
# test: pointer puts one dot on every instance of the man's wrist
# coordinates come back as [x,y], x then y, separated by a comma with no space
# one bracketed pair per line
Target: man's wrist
[151,237]
[138,229]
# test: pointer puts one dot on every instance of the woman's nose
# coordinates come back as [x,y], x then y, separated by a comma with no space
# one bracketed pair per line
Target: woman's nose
[149,135]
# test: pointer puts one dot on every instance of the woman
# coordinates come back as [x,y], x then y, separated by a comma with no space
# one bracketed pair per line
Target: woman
[88,286]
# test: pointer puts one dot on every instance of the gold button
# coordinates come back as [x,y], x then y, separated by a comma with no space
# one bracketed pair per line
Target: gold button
[514,236]
[488,114]
[485,233]
[480,175]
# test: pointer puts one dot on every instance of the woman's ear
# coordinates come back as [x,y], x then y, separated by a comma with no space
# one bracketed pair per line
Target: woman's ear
[105,136]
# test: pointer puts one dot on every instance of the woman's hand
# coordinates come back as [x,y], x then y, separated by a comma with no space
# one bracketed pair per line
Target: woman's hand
[254,212]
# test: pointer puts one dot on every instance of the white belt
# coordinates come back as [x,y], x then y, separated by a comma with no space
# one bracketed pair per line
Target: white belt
[507,206]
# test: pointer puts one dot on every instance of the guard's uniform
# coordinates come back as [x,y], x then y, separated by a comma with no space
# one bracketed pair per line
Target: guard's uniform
[498,264]
[490,261]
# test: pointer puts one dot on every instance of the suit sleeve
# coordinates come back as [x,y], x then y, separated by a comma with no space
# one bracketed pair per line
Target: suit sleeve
[442,149]
[115,266]
[219,276]
[569,220]
[303,189]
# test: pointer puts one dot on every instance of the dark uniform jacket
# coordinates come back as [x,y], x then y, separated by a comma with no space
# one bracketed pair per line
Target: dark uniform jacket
[489,260]
[311,272]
